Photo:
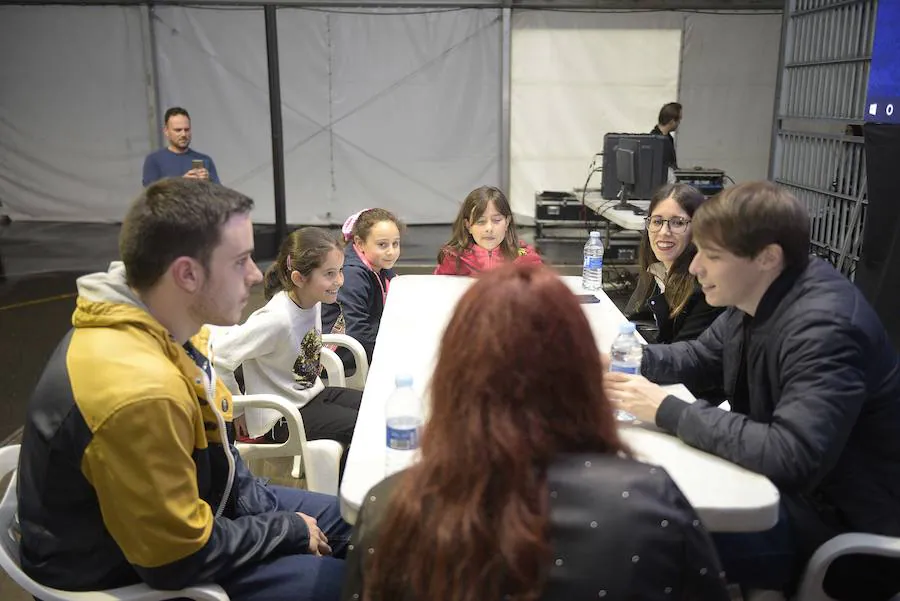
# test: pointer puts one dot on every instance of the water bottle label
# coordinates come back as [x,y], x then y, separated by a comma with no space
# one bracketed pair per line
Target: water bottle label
[403,439]
[625,368]
[593,262]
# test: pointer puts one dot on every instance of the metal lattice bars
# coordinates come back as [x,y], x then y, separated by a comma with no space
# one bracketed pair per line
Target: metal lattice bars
[826,173]
[827,53]
[827,63]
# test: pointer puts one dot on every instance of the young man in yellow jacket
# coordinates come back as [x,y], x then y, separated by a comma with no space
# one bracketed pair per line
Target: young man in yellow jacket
[127,471]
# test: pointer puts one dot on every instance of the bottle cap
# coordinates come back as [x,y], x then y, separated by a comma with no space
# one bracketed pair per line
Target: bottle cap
[627,328]
[595,234]
[403,381]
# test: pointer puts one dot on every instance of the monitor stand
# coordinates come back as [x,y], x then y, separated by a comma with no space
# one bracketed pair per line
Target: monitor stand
[624,205]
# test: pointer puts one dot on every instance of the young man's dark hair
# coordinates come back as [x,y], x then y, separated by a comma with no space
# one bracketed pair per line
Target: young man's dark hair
[175,217]
[745,219]
[175,110]
[668,121]
[669,112]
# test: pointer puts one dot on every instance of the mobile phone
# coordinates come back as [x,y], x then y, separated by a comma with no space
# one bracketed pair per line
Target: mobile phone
[587,299]
[197,164]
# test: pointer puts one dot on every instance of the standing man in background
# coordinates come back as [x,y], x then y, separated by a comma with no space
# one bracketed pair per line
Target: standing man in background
[669,120]
[177,159]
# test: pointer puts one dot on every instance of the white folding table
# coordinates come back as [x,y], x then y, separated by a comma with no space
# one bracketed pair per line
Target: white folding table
[624,218]
[727,497]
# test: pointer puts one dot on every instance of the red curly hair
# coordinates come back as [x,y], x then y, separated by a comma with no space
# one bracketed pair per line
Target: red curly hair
[518,382]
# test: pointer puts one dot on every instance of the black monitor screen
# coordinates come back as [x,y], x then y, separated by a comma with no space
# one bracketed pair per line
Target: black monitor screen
[626,161]
[883,99]
[644,154]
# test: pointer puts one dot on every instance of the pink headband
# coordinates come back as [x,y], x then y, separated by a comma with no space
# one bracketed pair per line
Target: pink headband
[347,229]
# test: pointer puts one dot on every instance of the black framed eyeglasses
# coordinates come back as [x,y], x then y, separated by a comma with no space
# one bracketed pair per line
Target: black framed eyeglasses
[677,225]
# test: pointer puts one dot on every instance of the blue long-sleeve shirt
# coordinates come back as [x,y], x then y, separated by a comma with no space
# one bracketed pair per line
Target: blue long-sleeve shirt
[165,163]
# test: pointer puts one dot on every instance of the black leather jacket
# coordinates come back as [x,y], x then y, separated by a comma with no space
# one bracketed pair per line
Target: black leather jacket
[620,529]
[691,321]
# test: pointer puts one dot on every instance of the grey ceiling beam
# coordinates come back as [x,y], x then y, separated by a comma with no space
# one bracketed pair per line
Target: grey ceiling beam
[618,5]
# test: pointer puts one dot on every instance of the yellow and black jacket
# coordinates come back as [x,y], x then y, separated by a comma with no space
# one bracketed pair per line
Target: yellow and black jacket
[126,471]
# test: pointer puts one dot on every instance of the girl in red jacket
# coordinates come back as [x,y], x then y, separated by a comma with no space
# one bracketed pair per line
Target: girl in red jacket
[484,236]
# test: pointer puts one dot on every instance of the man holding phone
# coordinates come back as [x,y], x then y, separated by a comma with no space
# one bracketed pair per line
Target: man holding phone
[178,159]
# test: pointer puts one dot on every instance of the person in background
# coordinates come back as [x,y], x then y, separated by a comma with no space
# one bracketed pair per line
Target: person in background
[524,489]
[127,471]
[484,236]
[373,248]
[667,294]
[668,121]
[178,159]
[814,386]
[279,346]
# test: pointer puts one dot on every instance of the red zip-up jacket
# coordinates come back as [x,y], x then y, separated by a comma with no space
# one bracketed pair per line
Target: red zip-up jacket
[475,259]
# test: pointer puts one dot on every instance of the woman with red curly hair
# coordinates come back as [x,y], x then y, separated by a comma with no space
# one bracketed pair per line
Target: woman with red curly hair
[524,490]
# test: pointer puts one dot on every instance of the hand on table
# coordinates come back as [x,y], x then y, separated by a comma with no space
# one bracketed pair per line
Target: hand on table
[635,394]
[318,542]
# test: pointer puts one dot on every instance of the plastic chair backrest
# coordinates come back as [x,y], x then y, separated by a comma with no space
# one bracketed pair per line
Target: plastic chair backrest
[9,557]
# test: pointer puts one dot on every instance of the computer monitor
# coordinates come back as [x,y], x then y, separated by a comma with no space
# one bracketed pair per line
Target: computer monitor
[626,162]
[633,167]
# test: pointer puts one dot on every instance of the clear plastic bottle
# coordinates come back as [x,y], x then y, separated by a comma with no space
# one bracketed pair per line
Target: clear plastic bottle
[625,356]
[404,420]
[592,271]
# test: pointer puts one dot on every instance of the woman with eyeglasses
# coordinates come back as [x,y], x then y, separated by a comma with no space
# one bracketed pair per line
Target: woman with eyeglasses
[667,296]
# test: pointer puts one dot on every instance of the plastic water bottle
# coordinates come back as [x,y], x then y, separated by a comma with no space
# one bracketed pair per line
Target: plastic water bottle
[403,416]
[625,356]
[592,271]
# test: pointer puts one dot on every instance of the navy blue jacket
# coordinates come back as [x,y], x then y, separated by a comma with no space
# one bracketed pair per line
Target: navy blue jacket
[361,300]
[814,385]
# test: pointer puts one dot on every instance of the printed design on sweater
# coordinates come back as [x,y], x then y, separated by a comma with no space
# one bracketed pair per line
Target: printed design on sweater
[340,327]
[306,366]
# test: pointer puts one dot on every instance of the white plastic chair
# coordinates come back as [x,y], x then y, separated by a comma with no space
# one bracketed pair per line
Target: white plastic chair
[335,367]
[322,457]
[9,557]
[811,588]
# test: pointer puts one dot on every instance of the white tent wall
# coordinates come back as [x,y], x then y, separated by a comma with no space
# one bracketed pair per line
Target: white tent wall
[381,108]
[577,76]
[399,109]
[213,63]
[394,108]
[728,76]
[74,124]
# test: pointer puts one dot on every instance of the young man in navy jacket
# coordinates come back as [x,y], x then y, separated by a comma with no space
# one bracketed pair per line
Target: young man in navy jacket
[814,386]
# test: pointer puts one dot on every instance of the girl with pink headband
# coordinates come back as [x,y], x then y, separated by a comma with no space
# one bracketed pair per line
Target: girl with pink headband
[373,237]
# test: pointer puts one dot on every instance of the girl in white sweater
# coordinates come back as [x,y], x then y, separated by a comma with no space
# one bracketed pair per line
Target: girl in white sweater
[279,345]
